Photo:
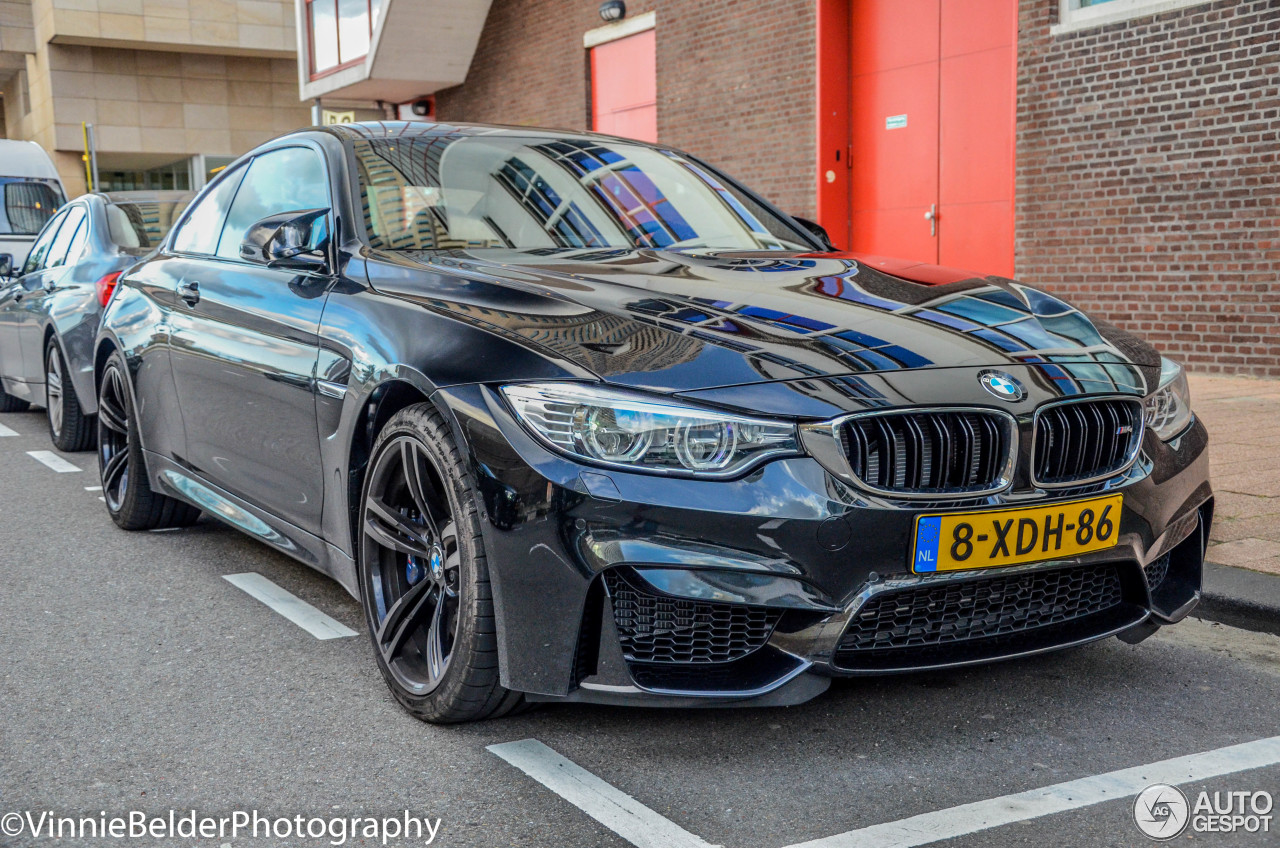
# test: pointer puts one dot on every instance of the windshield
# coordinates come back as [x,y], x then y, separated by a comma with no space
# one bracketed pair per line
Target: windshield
[143,224]
[28,204]
[448,192]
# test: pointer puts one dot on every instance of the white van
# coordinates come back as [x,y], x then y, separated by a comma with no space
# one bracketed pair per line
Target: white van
[30,192]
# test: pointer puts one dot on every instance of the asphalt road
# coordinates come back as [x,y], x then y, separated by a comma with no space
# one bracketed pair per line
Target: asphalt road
[134,677]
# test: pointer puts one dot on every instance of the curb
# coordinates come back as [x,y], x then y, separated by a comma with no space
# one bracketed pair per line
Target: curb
[1240,598]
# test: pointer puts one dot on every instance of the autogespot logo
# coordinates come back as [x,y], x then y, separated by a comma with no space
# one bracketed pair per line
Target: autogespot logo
[1161,812]
[1002,385]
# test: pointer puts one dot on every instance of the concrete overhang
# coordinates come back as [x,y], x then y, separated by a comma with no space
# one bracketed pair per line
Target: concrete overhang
[417,47]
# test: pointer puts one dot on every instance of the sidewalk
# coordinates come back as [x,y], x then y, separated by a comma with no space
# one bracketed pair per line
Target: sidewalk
[1243,418]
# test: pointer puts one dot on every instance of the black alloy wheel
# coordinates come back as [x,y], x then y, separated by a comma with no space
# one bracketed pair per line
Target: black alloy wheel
[130,500]
[69,427]
[424,582]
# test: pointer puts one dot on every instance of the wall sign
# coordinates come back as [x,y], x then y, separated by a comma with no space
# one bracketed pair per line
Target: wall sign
[895,122]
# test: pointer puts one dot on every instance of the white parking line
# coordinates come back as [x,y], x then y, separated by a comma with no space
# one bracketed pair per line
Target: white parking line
[290,606]
[52,460]
[1117,785]
[5,431]
[644,828]
[93,488]
[613,808]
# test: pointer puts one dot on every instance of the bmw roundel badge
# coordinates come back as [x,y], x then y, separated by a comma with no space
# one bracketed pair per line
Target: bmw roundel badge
[1002,385]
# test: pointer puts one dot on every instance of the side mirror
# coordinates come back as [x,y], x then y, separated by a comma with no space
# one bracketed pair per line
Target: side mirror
[816,230]
[6,265]
[297,240]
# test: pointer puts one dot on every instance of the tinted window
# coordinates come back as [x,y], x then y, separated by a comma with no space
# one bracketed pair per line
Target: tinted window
[68,242]
[285,180]
[437,192]
[41,247]
[143,224]
[199,232]
[28,205]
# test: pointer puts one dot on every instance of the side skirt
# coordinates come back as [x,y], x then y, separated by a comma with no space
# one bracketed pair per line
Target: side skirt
[178,482]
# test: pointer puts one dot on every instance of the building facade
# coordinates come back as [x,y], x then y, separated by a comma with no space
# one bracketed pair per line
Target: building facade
[1121,152]
[174,89]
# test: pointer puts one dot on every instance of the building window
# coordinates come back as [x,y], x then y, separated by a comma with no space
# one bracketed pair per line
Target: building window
[339,32]
[1083,14]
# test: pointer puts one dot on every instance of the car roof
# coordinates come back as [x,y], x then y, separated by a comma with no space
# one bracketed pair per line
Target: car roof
[157,196]
[398,130]
[25,159]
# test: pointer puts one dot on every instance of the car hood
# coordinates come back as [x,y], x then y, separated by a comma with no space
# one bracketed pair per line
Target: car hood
[682,321]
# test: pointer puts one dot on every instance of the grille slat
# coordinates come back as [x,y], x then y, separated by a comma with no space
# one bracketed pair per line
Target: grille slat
[660,629]
[929,452]
[1081,441]
[931,616]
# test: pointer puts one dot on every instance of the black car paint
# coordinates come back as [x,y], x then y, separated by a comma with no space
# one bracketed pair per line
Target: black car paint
[272,436]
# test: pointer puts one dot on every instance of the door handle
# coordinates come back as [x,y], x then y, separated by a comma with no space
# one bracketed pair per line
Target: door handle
[932,217]
[189,291]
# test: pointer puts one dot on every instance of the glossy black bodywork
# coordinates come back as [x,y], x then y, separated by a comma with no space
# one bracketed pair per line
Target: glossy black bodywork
[260,401]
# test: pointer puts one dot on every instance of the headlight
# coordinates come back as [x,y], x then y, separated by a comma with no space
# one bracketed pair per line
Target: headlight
[1169,407]
[627,430]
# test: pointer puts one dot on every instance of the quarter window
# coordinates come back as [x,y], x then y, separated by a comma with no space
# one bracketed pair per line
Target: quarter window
[68,241]
[199,232]
[41,247]
[287,180]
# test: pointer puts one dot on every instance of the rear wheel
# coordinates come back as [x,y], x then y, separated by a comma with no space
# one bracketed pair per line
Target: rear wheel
[424,578]
[69,427]
[133,504]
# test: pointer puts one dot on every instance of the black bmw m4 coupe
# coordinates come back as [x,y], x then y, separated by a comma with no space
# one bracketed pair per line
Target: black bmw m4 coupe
[580,419]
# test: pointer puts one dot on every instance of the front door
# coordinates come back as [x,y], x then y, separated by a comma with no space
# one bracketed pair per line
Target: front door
[243,347]
[932,130]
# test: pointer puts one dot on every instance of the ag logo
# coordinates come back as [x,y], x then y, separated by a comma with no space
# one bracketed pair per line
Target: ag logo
[1161,812]
[1002,385]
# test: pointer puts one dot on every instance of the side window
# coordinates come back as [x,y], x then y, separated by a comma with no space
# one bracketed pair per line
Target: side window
[41,246]
[199,232]
[279,181]
[68,236]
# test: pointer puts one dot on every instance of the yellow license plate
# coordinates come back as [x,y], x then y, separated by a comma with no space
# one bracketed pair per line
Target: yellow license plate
[959,541]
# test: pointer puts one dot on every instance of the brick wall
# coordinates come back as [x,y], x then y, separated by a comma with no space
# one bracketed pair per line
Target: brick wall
[735,81]
[1148,177]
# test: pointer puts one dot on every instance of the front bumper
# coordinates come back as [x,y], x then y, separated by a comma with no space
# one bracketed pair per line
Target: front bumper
[628,588]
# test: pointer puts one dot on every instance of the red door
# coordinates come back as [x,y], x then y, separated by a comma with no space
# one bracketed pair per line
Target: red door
[931,126]
[624,87]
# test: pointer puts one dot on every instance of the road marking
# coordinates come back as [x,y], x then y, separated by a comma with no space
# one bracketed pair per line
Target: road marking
[613,808]
[290,606]
[1113,786]
[5,431]
[52,460]
[93,488]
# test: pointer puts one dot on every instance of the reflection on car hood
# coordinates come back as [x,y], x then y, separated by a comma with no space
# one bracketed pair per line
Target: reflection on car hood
[687,320]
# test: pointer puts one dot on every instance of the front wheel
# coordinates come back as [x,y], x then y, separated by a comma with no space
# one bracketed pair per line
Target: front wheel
[423,575]
[133,504]
[70,429]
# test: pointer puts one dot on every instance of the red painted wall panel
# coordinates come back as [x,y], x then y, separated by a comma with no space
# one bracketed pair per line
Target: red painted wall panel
[624,87]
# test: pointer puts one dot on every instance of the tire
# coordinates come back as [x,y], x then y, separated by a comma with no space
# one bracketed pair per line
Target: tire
[9,403]
[424,578]
[70,429]
[133,504]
